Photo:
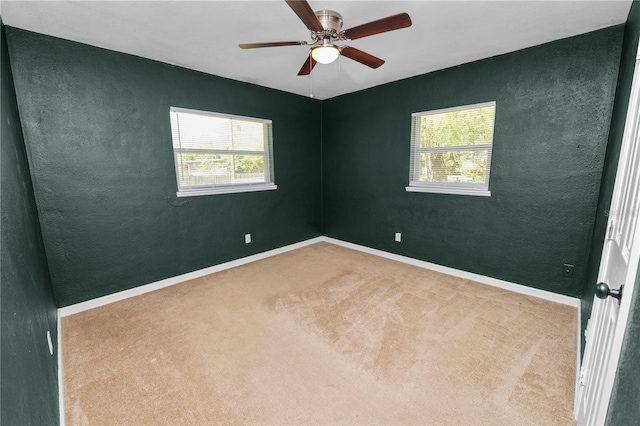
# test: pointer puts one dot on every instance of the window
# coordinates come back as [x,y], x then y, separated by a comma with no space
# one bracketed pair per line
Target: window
[218,153]
[451,150]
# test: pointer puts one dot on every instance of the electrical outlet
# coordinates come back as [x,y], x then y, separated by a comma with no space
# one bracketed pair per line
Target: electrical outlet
[398,237]
[247,238]
[567,270]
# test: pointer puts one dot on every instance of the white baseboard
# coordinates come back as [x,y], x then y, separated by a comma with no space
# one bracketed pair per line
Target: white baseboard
[506,285]
[115,297]
[60,371]
[578,363]
[121,295]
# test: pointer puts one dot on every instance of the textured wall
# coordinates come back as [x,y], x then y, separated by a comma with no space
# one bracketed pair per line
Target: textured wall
[96,123]
[29,393]
[624,407]
[554,104]
[619,114]
[625,78]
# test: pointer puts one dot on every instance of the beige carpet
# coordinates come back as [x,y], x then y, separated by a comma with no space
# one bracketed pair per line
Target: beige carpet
[322,335]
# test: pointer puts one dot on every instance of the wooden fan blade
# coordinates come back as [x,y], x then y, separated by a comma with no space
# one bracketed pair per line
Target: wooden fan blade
[306,14]
[390,23]
[308,66]
[362,57]
[274,44]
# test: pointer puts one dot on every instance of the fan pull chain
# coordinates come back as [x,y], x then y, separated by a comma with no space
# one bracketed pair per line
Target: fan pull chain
[310,79]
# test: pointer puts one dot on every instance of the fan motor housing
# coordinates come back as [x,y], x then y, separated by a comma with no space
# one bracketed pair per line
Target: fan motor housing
[330,19]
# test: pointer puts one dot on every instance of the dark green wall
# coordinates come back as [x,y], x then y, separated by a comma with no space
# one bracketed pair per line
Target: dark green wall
[554,105]
[97,129]
[623,90]
[29,393]
[624,407]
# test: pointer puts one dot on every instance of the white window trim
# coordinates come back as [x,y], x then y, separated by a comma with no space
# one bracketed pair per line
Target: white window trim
[444,188]
[458,190]
[233,188]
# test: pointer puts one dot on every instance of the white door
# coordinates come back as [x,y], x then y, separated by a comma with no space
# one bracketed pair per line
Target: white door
[618,266]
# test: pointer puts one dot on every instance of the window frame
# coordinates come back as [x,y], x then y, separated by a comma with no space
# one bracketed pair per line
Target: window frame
[190,191]
[415,185]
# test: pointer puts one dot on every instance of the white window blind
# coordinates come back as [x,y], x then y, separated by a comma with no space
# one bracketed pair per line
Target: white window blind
[451,150]
[219,153]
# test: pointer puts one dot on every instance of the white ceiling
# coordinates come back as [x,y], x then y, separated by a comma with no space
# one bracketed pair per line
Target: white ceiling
[204,35]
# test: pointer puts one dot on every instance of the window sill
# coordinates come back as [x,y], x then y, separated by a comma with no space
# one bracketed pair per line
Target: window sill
[450,190]
[226,190]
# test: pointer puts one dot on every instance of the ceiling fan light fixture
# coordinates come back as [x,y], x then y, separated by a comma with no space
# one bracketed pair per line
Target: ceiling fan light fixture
[325,54]
[326,29]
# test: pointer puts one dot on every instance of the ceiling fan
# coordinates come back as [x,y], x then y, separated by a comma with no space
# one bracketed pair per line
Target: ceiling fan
[326,30]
